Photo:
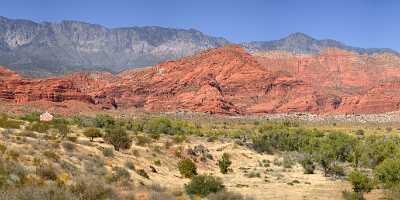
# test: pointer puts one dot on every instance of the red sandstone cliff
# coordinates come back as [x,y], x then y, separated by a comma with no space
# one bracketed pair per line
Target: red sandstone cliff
[230,81]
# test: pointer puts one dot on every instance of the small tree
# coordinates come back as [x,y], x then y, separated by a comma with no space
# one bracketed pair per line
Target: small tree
[203,185]
[224,163]
[187,168]
[387,173]
[361,184]
[92,133]
[118,137]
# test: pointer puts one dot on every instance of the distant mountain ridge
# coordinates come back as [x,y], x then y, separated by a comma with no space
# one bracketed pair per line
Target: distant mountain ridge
[54,48]
[304,44]
[48,48]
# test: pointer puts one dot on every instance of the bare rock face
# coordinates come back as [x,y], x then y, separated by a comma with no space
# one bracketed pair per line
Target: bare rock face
[230,81]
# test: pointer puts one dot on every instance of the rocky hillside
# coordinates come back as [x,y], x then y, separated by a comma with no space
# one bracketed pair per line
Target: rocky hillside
[42,49]
[226,80]
[304,44]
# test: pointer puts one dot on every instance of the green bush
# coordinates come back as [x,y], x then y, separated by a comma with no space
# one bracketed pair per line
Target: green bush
[142,140]
[7,123]
[83,121]
[31,117]
[187,168]
[118,137]
[308,165]
[40,127]
[387,173]
[120,173]
[108,152]
[104,121]
[203,185]
[158,125]
[135,125]
[92,133]
[224,163]
[361,184]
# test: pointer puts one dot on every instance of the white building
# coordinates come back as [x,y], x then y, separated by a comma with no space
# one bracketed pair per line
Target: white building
[46,117]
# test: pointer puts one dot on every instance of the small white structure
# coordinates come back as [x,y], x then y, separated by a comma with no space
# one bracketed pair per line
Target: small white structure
[46,117]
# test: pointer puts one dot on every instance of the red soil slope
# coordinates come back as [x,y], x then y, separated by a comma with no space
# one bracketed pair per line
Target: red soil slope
[228,80]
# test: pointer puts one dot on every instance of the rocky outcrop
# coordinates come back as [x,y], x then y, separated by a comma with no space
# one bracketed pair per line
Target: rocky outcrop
[230,81]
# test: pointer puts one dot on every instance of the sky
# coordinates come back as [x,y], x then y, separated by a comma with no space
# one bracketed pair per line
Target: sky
[361,23]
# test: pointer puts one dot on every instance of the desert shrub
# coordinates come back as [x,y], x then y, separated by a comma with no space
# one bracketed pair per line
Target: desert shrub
[135,125]
[253,174]
[118,137]
[119,173]
[104,121]
[361,184]
[224,163]
[129,164]
[142,140]
[83,121]
[91,188]
[272,139]
[26,133]
[375,149]
[47,172]
[187,168]
[40,127]
[71,168]
[92,133]
[387,173]
[94,168]
[7,123]
[142,173]
[158,125]
[31,117]
[3,148]
[62,129]
[68,146]
[157,162]
[288,161]
[13,153]
[203,185]
[41,192]
[72,138]
[308,164]
[226,195]
[337,170]
[51,154]
[11,173]
[179,138]
[108,152]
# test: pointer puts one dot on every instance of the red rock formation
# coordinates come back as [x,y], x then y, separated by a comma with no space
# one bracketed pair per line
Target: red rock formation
[229,81]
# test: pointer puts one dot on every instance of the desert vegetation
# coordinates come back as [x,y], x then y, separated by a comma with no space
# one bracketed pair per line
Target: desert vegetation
[106,157]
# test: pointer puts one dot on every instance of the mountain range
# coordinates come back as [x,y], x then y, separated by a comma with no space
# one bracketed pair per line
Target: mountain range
[49,48]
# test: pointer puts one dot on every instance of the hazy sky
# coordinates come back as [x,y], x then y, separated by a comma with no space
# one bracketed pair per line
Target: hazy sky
[363,23]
